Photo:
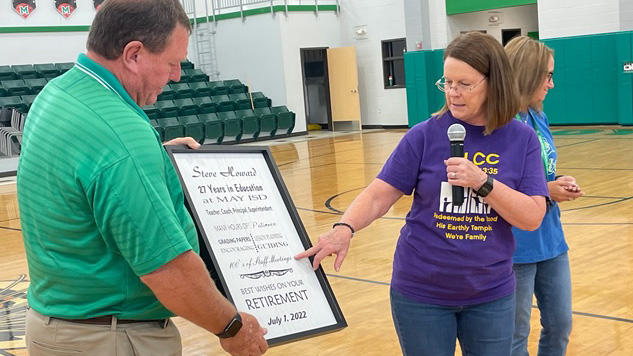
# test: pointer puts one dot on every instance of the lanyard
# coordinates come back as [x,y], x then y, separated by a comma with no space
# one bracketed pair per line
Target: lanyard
[541,139]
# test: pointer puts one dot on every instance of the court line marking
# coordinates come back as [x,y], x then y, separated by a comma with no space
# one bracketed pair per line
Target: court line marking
[328,202]
[578,143]
[591,315]
[397,218]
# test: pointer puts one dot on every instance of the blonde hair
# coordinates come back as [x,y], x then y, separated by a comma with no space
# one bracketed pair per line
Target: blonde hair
[485,54]
[529,59]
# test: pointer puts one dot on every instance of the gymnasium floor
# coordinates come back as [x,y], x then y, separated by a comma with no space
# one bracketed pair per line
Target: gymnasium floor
[324,172]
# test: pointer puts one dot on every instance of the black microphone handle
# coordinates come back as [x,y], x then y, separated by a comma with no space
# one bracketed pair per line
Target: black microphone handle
[457,150]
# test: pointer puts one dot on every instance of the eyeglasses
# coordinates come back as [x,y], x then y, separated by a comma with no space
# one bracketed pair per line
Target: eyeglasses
[550,75]
[444,86]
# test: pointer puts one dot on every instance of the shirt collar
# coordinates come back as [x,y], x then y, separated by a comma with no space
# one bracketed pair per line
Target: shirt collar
[108,80]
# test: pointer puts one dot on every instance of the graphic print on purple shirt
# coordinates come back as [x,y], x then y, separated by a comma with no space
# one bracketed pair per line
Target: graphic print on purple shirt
[449,255]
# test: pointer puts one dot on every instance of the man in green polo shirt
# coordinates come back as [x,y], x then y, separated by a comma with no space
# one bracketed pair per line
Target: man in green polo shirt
[111,248]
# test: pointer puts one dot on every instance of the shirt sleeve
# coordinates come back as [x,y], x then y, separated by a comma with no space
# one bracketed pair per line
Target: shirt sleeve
[402,167]
[135,214]
[533,180]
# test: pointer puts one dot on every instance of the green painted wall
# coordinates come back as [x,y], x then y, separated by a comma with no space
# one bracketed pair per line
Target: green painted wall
[462,6]
[422,69]
[590,86]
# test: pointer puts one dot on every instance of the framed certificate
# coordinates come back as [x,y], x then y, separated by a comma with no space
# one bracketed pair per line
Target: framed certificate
[249,231]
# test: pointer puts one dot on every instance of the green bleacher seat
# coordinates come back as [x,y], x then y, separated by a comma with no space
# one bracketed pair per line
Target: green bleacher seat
[13,102]
[35,85]
[186,107]
[28,101]
[200,89]
[167,94]
[7,73]
[64,67]
[260,101]
[25,71]
[285,119]
[267,121]
[213,128]
[184,78]
[224,103]
[235,86]
[182,90]
[151,111]
[241,101]
[232,126]
[167,108]
[218,88]
[186,65]
[159,129]
[48,70]
[250,123]
[193,127]
[205,105]
[15,87]
[3,91]
[173,127]
[196,75]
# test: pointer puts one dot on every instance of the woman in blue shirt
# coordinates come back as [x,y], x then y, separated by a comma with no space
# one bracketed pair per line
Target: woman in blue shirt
[541,264]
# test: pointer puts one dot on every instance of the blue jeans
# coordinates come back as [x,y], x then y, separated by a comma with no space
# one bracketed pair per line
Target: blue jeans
[550,281]
[430,330]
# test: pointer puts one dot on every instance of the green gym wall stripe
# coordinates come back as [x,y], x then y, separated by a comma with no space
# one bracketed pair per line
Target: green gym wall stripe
[251,12]
[454,7]
[44,29]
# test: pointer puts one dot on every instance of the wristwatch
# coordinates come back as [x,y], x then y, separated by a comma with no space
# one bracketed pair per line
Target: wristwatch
[231,328]
[486,188]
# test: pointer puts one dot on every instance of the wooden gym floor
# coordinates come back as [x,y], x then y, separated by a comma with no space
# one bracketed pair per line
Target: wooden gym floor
[323,175]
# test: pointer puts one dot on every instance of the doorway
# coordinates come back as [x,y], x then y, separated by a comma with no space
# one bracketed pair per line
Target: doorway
[316,88]
[507,35]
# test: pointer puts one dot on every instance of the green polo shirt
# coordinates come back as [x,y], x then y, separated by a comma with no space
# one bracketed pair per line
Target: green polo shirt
[100,202]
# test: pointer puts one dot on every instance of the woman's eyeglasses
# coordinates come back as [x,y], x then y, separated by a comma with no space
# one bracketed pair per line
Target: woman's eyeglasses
[445,86]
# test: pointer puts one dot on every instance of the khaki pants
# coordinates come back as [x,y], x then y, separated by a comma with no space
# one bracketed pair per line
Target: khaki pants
[47,336]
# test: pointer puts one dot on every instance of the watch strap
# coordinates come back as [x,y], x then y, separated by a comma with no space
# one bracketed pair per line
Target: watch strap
[486,188]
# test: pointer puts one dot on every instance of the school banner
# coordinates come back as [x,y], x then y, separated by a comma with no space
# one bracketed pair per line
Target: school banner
[24,8]
[65,7]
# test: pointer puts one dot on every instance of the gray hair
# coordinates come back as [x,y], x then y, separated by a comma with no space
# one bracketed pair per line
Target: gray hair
[119,22]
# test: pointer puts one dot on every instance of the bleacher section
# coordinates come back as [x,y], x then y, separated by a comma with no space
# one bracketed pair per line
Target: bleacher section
[213,112]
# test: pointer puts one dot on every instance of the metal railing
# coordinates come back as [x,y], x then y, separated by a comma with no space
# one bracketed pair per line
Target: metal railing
[226,6]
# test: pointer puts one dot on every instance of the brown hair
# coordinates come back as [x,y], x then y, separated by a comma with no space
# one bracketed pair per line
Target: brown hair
[529,59]
[118,22]
[485,54]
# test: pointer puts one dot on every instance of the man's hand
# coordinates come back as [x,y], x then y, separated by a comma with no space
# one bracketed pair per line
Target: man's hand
[189,141]
[249,341]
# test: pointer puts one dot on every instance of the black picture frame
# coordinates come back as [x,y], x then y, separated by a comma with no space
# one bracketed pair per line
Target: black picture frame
[211,259]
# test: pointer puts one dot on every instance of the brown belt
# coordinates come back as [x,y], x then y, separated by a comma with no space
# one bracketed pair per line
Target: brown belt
[107,320]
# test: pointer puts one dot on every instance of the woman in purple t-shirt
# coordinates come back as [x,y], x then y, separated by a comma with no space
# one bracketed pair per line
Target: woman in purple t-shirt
[452,270]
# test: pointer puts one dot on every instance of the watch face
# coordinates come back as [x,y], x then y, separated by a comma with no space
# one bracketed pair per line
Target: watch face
[235,326]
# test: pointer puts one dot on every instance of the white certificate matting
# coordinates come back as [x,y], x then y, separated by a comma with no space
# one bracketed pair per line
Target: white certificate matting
[251,229]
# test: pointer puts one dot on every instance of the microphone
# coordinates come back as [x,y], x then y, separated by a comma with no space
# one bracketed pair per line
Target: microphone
[456,134]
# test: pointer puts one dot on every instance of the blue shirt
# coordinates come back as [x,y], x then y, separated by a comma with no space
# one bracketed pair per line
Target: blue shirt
[548,241]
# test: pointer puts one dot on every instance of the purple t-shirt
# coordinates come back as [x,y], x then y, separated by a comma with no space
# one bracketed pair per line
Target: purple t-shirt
[458,255]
